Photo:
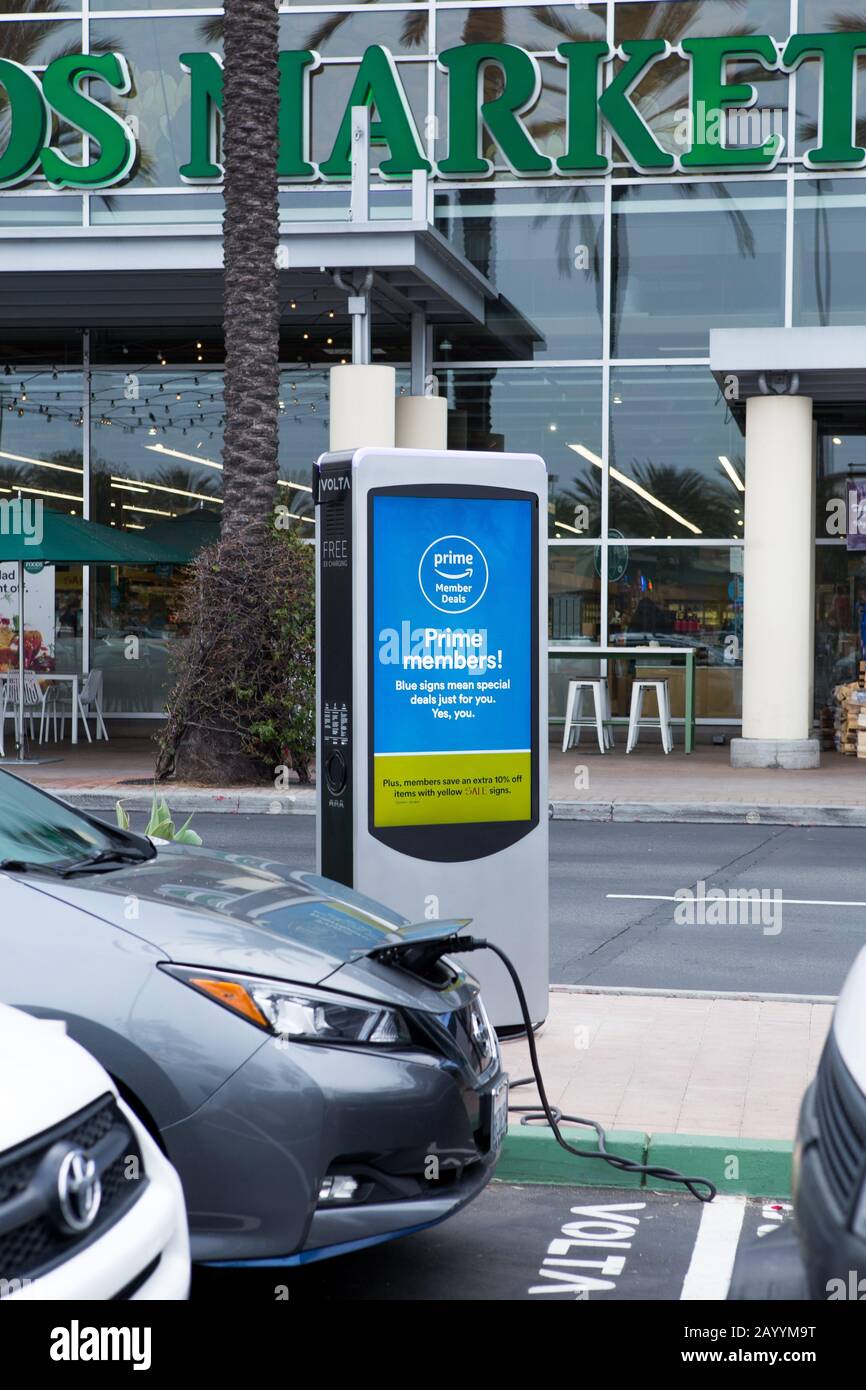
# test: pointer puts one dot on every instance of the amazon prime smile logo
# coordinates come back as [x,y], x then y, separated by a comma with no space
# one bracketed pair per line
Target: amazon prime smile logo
[453,574]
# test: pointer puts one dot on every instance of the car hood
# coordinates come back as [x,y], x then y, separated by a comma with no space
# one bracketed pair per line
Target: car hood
[235,912]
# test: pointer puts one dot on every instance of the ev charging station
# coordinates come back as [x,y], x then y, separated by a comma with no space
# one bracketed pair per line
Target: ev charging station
[432,696]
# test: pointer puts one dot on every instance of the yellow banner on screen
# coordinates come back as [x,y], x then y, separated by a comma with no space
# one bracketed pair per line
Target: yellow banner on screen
[451,788]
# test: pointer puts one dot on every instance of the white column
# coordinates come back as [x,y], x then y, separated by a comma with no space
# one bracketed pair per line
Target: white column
[422,422]
[778,586]
[362,407]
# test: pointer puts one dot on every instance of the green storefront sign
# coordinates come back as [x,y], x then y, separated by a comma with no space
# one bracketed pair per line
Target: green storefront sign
[599,87]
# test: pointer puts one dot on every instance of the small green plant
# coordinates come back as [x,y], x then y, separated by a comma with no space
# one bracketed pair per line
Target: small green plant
[161,826]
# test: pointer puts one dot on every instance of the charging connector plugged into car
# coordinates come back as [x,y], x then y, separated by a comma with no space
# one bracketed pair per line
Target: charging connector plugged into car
[419,957]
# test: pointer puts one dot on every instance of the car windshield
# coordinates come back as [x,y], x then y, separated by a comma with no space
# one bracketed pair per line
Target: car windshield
[34,829]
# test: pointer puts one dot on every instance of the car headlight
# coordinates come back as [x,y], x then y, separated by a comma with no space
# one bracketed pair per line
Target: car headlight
[295,1012]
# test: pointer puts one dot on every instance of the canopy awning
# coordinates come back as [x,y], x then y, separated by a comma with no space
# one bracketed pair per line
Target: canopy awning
[59,539]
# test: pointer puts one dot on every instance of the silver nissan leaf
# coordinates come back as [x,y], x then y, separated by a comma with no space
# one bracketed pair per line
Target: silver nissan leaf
[320,1074]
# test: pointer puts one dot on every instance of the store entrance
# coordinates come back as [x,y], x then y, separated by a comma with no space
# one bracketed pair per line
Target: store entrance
[840,590]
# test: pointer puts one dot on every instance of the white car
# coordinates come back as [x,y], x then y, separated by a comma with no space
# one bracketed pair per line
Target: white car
[829,1178]
[90,1209]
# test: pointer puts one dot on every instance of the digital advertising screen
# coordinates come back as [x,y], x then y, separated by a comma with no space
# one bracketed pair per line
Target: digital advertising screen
[452,644]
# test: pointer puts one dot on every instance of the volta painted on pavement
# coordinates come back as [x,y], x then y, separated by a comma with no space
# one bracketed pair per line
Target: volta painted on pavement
[538,1244]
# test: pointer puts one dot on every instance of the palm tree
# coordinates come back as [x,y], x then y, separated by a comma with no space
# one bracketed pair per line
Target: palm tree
[251,230]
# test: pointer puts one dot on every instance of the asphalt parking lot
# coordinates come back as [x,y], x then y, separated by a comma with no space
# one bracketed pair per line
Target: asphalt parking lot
[553,1244]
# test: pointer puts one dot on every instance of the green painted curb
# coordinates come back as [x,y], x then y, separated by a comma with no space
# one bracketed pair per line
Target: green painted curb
[756,1167]
[530,1154]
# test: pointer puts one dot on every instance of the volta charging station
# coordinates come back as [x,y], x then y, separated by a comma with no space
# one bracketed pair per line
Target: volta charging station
[432,696]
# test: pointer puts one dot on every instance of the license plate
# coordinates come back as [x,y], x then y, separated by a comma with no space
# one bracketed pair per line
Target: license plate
[499,1115]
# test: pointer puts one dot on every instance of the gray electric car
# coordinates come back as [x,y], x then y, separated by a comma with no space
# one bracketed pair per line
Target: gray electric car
[320,1076]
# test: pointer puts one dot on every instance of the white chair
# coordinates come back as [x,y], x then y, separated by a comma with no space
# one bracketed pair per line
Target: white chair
[636,720]
[90,701]
[33,696]
[574,720]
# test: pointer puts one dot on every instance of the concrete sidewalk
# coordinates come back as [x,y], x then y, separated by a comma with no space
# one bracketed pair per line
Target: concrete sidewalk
[676,1064]
[584,785]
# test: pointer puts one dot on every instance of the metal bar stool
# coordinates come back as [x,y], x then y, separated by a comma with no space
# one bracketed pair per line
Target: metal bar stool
[574,712]
[636,719]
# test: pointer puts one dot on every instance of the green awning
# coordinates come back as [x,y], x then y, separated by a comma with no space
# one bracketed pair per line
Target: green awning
[71,540]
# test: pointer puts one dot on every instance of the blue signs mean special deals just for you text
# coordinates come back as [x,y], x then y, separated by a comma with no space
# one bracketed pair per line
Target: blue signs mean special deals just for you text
[452,655]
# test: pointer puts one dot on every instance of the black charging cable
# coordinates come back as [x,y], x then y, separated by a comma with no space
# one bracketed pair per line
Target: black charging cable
[702,1188]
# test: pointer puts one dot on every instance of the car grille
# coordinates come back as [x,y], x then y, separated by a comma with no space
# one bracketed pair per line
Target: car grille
[841,1113]
[33,1238]
[471,1034]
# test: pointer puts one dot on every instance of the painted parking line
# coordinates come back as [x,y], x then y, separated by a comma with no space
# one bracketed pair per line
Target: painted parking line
[715,1250]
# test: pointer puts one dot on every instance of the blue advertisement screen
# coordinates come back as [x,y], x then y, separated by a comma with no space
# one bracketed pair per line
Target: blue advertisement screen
[452,645]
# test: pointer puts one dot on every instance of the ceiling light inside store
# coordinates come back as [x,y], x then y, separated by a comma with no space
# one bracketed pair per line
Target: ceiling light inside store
[177,454]
[732,473]
[41,463]
[130,485]
[635,487]
[836,439]
[41,492]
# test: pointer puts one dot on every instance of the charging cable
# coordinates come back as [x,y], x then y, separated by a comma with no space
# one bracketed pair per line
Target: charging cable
[701,1188]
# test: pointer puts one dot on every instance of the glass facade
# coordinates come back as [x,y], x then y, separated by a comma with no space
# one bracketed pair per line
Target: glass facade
[619,277]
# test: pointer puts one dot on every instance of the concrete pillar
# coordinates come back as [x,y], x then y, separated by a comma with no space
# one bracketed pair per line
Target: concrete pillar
[362,407]
[422,422]
[778,586]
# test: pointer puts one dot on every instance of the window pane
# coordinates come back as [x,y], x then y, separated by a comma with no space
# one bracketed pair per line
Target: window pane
[50,211]
[681,597]
[574,594]
[839,457]
[840,624]
[537,411]
[156,445]
[36,43]
[159,101]
[690,257]
[542,248]
[670,429]
[538,29]
[41,437]
[829,232]
[346,34]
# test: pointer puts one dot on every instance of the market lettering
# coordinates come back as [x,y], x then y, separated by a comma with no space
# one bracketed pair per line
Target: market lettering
[33,105]
[492,90]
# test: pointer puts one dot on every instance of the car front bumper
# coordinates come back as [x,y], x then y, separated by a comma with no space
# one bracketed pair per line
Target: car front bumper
[833,1255]
[144,1256]
[414,1126]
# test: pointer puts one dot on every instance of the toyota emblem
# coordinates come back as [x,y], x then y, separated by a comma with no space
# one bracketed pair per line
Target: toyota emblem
[79,1191]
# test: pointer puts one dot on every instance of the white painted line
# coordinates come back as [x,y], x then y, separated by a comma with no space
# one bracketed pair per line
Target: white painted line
[712,1263]
[790,902]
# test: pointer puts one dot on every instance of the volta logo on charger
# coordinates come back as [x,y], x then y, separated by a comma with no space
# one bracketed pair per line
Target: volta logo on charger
[453,574]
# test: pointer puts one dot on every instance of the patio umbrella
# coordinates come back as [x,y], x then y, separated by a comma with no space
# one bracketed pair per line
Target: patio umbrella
[53,538]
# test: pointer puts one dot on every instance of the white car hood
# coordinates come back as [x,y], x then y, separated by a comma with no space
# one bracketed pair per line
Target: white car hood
[44,1077]
[849,1021]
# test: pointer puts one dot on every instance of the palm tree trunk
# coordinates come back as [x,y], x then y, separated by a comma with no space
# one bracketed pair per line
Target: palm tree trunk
[251,239]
